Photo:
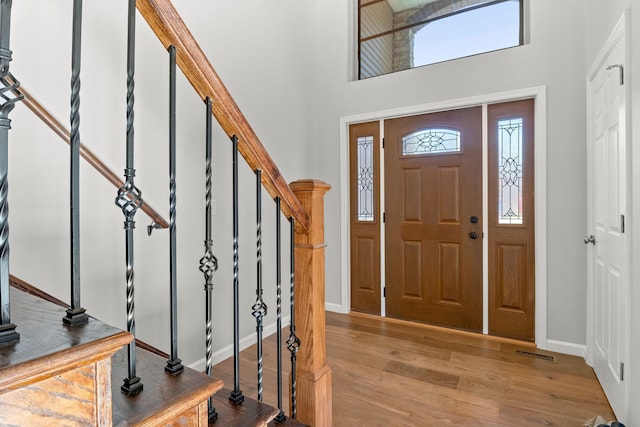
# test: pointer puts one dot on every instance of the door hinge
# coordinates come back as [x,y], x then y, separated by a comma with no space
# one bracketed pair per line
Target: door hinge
[621,371]
[384,217]
[622,223]
[384,291]
[383,143]
[620,68]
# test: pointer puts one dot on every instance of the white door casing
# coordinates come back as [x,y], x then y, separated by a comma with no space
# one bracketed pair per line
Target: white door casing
[608,244]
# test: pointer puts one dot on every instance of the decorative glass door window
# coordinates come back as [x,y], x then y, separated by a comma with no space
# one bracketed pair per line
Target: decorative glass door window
[365,179]
[510,135]
[431,141]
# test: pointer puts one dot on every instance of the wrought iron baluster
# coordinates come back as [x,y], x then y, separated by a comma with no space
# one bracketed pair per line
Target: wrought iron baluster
[174,364]
[208,263]
[236,395]
[76,315]
[281,416]
[293,343]
[7,103]
[129,199]
[259,309]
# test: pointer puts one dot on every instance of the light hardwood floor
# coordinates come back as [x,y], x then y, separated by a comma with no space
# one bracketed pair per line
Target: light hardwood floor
[394,373]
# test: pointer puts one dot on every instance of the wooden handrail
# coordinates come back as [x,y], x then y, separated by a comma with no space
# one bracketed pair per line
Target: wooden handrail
[169,27]
[86,154]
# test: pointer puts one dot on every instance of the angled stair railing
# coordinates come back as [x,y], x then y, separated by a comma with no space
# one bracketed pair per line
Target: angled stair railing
[302,203]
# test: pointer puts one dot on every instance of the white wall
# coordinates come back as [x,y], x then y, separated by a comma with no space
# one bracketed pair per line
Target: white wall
[257,60]
[553,58]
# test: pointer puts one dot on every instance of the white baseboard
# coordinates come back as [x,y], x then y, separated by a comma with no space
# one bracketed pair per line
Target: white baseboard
[227,351]
[336,308]
[566,348]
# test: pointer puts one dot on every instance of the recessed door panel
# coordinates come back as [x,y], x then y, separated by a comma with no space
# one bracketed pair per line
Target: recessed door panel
[449,181]
[512,272]
[412,256]
[365,258]
[412,185]
[450,273]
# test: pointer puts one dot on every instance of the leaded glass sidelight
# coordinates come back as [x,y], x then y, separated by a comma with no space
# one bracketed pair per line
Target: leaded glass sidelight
[365,179]
[431,141]
[510,135]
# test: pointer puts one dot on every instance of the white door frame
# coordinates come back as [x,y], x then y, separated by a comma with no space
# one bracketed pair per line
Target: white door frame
[615,35]
[539,93]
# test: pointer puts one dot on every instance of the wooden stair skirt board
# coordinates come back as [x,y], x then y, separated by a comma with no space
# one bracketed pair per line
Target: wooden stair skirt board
[60,376]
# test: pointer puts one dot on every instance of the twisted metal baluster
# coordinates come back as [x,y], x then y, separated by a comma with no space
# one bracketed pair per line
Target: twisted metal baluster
[236,396]
[208,263]
[129,199]
[259,309]
[76,315]
[293,343]
[174,364]
[281,416]
[7,329]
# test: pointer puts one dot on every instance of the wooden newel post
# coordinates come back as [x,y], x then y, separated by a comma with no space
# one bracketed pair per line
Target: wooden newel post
[313,373]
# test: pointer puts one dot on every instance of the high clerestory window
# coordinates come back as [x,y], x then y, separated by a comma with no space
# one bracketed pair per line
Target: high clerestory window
[396,35]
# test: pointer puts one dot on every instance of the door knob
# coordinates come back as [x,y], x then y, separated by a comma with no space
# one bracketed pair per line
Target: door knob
[473,235]
[590,239]
[473,219]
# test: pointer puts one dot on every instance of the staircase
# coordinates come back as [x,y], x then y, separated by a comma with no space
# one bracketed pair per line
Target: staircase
[71,377]
[61,367]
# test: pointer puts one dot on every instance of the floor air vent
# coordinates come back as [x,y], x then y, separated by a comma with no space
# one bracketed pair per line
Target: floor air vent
[540,356]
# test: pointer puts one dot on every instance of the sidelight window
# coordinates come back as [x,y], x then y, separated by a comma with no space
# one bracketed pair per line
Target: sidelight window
[365,178]
[510,161]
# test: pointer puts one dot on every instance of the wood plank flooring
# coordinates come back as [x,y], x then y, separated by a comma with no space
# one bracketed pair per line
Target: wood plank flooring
[393,373]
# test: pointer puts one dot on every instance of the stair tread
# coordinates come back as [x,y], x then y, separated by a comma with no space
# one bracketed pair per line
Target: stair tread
[46,346]
[164,395]
[249,413]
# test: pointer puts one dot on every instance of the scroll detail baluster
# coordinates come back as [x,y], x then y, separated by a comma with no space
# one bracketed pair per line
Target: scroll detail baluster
[129,199]
[259,309]
[7,103]
[76,315]
[281,416]
[293,343]
[174,364]
[208,263]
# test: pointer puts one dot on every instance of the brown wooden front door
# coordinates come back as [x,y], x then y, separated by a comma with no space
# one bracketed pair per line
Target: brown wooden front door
[433,206]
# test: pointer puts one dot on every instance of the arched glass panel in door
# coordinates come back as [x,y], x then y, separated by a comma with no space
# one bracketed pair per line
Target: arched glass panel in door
[431,141]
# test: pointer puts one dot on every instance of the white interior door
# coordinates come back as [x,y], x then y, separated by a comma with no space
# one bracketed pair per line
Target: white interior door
[607,240]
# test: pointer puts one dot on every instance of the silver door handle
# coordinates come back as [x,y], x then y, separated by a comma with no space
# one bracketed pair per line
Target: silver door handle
[590,239]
